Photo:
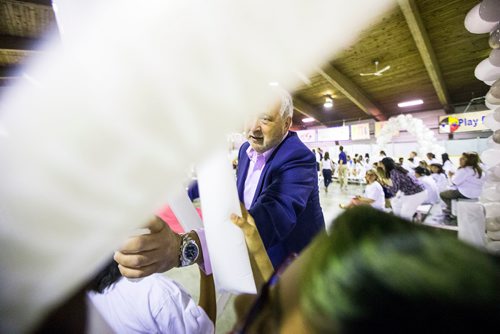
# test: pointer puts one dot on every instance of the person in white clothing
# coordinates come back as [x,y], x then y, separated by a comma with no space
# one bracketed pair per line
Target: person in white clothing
[448,166]
[423,175]
[410,193]
[431,159]
[414,160]
[373,195]
[439,176]
[153,304]
[467,181]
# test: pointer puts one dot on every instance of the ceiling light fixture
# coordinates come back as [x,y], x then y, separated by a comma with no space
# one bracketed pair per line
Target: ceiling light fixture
[410,103]
[308,120]
[328,101]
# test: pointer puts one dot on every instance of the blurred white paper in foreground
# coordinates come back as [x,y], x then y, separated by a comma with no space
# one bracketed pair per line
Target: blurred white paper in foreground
[137,94]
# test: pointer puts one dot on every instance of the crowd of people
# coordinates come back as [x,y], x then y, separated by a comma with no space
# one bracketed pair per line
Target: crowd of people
[406,184]
[372,271]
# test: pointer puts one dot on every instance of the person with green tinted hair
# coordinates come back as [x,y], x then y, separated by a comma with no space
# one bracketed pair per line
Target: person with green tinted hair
[375,272]
[372,273]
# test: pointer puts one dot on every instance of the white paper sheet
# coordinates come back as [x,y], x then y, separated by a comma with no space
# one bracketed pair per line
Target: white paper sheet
[225,241]
[184,210]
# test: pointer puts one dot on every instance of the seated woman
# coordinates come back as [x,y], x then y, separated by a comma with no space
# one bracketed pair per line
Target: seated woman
[448,166]
[439,176]
[409,192]
[423,175]
[386,184]
[373,195]
[468,180]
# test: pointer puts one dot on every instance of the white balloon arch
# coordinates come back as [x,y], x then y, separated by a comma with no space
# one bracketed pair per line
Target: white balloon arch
[425,137]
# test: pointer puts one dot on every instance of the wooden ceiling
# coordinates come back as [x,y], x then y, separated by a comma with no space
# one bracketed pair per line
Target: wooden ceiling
[420,40]
[432,57]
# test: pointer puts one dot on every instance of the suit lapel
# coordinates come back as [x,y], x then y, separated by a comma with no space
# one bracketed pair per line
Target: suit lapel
[241,174]
[268,164]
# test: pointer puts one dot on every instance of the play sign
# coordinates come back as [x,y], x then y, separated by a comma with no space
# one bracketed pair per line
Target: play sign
[466,122]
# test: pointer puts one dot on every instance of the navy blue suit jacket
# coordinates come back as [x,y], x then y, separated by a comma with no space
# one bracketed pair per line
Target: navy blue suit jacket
[286,204]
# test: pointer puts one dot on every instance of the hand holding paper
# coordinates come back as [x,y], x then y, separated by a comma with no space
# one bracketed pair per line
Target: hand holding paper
[261,264]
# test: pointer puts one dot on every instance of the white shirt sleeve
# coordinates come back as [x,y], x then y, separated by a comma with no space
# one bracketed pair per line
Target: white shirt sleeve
[461,175]
[181,314]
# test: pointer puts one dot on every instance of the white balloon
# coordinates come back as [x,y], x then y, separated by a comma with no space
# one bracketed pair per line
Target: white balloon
[485,71]
[496,114]
[490,105]
[496,171]
[490,194]
[489,83]
[490,98]
[494,57]
[495,138]
[489,10]
[491,157]
[492,210]
[475,24]
[428,136]
[491,123]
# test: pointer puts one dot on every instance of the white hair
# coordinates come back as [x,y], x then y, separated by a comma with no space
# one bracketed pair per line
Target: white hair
[286,108]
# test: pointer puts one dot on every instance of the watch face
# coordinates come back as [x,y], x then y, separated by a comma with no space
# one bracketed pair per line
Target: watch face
[191,252]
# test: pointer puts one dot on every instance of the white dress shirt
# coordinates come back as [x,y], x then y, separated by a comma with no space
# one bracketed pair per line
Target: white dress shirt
[154,304]
[468,183]
[375,192]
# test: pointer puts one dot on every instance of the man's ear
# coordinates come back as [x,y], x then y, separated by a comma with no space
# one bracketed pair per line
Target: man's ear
[288,123]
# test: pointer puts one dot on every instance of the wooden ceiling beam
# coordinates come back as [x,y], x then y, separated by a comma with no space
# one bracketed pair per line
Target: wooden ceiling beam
[421,38]
[19,43]
[352,91]
[38,2]
[305,109]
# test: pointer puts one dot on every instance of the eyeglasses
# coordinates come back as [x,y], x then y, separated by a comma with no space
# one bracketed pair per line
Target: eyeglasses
[263,299]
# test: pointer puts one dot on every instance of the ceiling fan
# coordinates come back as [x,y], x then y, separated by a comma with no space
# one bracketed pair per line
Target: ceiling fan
[377,71]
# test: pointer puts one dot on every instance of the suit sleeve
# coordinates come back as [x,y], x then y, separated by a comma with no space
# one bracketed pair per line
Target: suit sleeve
[193,191]
[284,199]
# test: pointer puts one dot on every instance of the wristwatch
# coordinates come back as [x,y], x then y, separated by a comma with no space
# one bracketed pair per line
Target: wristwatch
[189,251]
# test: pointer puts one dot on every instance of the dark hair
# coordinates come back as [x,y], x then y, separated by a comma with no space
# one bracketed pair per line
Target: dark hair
[472,160]
[382,153]
[440,168]
[389,165]
[341,147]
[422,171]
[367,155]
[377,271]
[326,156]
[106,277]
[431,155]
[445,157]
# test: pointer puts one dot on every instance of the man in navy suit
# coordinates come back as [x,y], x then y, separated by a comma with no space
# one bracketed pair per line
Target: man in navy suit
[278,183]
